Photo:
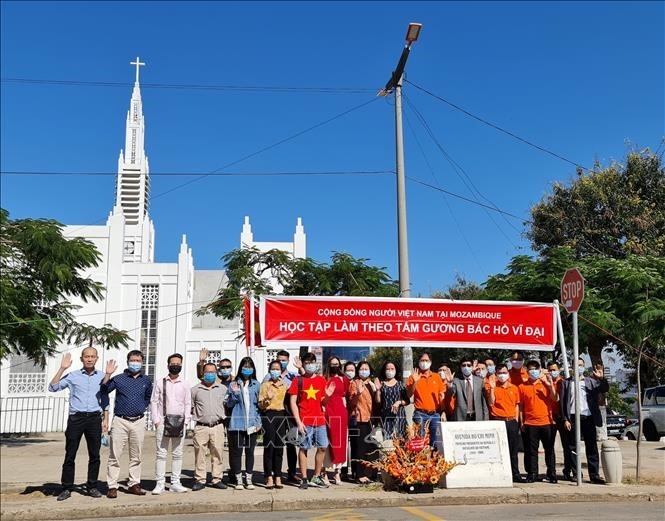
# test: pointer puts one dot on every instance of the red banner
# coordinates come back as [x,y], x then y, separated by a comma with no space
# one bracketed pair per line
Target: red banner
[367,321]
[248,323]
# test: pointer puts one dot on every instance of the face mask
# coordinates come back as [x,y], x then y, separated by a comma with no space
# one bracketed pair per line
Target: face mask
[134,367]
[482,373]
[534,373]
[350,375]
[491,369]
[334,369]
[466,371]
[424,366]
[517,364]
[224,373]
[209,377]
[390,374]
[247,371]
[580,370]
[310,368]
[503,377]
[175,369]
[275,374]
[284,364]
[555,374]
[363,373]
[442,374]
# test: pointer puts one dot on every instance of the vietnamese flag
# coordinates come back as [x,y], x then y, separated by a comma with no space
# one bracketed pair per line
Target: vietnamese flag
[249,319]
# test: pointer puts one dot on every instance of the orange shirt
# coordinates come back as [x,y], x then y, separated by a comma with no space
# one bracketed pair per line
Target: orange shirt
[427,391]
[505,401]
[535,400]
[518,377]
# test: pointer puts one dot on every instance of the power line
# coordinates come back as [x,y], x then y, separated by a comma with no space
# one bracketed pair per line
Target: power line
[192,174]
[497,127]
[190,86]
[266,148]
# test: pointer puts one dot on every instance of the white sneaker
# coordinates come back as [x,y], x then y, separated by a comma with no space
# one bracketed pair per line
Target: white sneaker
[250,486]
[239,486]
[177,487]
[159,488]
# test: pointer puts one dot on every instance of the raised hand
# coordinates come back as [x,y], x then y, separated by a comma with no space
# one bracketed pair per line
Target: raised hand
[330,389]
[111,367]
[377,384]
[415,375]
[203,355]
[449,374]
[297,362]
[475,365]
[66,361]
[235,387]
[598,372]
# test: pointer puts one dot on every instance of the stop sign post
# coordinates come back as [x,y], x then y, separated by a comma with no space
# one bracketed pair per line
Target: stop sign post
[572,295]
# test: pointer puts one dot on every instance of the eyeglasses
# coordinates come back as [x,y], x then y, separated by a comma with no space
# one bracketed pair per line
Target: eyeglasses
[225,367]
[466,365]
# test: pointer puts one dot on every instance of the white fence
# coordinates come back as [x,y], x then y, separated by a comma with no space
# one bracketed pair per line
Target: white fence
[23,414]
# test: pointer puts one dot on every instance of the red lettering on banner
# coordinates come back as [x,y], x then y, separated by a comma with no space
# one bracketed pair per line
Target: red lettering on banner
[393,321]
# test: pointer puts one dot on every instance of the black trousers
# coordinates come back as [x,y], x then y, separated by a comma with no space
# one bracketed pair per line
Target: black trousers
[544,434]
[524,445]
[565,443]
[513,433]
[274,432]
[588,434]
[361,449]
[240,441]
[291,452]
[79,425]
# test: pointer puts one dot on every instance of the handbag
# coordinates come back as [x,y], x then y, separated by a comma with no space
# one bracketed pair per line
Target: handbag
[174,424]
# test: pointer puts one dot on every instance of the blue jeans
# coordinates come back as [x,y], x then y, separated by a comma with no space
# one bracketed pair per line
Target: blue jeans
[434,432]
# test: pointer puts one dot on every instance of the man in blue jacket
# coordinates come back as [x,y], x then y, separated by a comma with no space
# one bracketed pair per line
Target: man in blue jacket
[590,417]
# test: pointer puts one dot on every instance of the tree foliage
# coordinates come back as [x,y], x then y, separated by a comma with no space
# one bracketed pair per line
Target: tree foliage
[613,211]
[250,270]
[40,275]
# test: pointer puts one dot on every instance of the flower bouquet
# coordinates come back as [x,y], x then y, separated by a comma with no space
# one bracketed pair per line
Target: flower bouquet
[412,463]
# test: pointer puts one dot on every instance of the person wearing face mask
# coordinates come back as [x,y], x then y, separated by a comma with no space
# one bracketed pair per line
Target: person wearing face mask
[392,398]
[536,420]
[272,396]
[504,399]
[428,391]
[287,377]
[555,373]
[590,417]
[171,396]
[449,400]
[361,400]
[132,397]
[337,417]
[243,400]
[307,395]
[469,392]
[518,373]
[349,371]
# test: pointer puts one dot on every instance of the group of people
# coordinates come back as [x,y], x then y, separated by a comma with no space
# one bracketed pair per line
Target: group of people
[337,410]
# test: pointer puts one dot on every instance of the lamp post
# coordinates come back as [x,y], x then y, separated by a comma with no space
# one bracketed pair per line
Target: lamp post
[395,85]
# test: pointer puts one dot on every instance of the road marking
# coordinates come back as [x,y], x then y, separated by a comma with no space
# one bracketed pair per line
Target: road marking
[422,514]
[347,514]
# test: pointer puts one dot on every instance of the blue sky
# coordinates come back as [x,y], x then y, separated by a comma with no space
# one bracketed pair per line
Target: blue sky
[582,79]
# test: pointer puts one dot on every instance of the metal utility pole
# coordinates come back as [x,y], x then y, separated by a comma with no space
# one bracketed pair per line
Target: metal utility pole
[395,85]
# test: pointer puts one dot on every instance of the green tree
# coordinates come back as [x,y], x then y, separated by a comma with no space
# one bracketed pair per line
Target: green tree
[276,271]
[40,275]
[612,211]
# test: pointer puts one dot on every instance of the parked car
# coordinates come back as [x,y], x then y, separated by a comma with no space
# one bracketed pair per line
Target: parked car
[653,413]
[631,430]
[615,424]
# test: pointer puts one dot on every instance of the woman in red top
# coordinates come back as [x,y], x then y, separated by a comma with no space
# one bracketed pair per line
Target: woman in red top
[337,417]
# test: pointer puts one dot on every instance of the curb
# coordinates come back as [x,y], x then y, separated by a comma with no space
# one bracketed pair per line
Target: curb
[26,510]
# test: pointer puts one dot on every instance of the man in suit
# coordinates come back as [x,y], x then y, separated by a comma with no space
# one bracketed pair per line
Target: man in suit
[469,392]
[590,417]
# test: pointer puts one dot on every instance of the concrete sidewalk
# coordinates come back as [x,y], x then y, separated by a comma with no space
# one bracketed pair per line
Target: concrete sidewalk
[30,473]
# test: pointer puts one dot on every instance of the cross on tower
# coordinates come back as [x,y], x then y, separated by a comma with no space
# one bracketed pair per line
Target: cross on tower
[138,64]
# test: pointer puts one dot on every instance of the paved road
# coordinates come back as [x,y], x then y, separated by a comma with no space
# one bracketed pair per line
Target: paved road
[646,511]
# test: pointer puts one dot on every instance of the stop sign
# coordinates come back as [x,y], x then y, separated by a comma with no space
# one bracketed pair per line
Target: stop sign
[572,290]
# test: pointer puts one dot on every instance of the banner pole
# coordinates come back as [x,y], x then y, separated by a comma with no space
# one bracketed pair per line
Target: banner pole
[562,341]
[252,325]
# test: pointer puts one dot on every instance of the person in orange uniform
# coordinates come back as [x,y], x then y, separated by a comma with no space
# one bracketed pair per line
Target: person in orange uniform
[449,400]
[518,376]
[535,397]
[428,390]
[504,400]
[557,379]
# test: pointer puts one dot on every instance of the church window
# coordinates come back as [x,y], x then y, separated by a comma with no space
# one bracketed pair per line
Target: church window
[148,338]
[133,151]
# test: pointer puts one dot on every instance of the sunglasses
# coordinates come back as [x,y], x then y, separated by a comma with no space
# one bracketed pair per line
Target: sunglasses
[466,365]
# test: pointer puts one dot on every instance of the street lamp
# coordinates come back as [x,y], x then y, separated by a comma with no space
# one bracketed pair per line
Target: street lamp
[395,85]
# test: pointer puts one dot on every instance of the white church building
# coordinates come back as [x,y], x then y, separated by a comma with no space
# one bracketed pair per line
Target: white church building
[154,302]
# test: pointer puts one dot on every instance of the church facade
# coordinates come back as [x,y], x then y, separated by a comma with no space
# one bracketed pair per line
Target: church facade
[154,302]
